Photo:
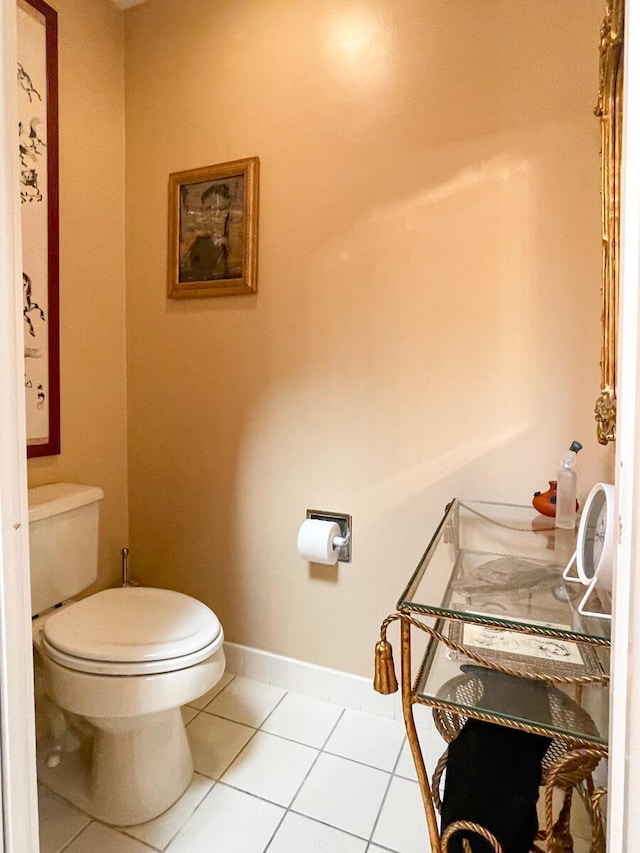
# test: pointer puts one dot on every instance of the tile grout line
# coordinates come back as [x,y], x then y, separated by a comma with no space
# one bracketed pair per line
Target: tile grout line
[329,825]
[306,776]
[235,757]
[222,689]
[123,830]
[68,843]
[320,750]
[71,841]
[287,810]
[255,732]
[386,793]
[204,775]
[357,761]
[182,826]
[277,705]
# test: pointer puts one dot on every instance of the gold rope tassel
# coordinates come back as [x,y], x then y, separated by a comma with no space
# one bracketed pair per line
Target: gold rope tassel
[384,679]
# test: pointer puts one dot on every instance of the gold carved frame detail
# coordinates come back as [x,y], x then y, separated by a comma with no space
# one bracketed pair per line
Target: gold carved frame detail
[609,111]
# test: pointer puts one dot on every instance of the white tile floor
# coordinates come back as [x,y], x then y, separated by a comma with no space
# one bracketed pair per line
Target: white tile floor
[275,772]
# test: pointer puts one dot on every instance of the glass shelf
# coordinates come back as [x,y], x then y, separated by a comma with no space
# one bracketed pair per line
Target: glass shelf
[571,712]
[501,564]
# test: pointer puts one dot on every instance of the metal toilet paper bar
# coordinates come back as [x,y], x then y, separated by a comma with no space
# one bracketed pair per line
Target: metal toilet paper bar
[343,520]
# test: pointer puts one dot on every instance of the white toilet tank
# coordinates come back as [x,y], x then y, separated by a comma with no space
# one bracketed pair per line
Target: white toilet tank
[63,542]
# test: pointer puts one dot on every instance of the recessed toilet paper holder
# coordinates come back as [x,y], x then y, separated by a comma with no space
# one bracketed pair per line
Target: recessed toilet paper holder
[344,522]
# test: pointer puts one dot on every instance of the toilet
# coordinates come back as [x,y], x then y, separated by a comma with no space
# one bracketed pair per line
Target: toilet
[116,666]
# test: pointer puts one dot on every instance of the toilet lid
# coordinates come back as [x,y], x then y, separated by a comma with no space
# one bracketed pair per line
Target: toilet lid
[132,625]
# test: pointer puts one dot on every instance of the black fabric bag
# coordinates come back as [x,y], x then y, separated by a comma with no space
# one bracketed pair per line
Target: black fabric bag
[493,777]
[493,772]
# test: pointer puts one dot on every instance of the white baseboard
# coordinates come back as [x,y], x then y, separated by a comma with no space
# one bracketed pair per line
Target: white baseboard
[319,682]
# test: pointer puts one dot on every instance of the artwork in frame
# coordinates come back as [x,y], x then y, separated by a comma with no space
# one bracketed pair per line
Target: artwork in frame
[213,230]
[37,79]
[527,654]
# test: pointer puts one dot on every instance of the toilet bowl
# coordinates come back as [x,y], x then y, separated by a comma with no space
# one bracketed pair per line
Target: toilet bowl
[125,660]
[117,666]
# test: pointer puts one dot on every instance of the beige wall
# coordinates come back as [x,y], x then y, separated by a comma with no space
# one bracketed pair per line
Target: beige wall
[427,317]
[92,292]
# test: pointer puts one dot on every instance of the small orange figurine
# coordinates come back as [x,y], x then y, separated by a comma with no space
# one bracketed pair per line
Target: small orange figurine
[545,502]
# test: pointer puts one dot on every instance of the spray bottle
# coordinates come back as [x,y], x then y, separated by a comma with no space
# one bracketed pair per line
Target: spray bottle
[567,488]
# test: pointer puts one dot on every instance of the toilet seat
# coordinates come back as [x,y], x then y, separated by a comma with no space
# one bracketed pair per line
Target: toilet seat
[132,631]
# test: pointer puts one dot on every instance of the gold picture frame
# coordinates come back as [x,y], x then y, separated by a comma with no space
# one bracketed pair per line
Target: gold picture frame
[213,230]
[609,111]
[526,654]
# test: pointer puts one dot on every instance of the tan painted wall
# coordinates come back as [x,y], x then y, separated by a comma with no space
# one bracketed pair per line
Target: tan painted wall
[92,289]
[427,317]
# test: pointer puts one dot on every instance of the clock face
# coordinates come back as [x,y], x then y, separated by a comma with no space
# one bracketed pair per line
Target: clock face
[595,532]
[595,536]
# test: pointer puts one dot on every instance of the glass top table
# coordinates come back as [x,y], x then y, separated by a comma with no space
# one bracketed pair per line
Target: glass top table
[492,581]
[502,564]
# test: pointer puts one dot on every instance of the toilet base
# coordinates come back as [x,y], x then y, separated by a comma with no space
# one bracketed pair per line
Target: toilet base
[125,771]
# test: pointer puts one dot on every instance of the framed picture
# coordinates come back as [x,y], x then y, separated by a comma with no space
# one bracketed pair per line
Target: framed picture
[213,230]
[527,653]
[38,161]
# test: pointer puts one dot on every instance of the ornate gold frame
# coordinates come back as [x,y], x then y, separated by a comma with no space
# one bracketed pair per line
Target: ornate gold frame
[224,221]
[609,111]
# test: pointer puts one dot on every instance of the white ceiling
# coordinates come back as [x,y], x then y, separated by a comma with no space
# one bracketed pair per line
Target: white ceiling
[125,4]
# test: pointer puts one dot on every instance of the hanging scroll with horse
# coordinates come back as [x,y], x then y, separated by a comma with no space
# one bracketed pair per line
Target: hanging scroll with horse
[37,75]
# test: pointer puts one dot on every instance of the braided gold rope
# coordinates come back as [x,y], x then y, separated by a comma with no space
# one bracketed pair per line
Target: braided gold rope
[518,627]
[558,833]
[576,742]
[574,766]
[437,776]
[568,772]
[447,725]
[482,661]
[599,843]
[468,826]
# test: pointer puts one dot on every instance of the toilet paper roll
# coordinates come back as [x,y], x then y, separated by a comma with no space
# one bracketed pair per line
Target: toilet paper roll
[315,541]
